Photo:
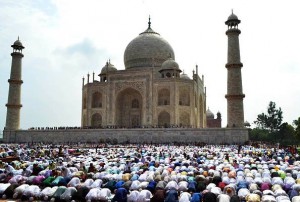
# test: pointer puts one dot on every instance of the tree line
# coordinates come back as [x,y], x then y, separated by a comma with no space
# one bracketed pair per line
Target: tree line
[270,127]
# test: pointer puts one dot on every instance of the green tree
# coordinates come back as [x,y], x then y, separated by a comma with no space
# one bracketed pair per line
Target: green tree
[286,133]
[297,127]
[270,121]
[258,134]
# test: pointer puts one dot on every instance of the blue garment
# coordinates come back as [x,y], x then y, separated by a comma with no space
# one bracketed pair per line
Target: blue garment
[293,193]
[196,197]
[119,184]
[135,177]
[242,184]
[191,186]
[172,196]
[151,186]
[120,196]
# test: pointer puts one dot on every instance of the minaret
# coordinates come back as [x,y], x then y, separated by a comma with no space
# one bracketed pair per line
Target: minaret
[14,95]
[234,96]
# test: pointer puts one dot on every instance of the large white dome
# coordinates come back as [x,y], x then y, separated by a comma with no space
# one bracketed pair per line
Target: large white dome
[147,50]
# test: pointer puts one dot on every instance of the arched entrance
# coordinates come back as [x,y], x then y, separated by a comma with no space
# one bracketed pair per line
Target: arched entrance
[184,119]
[96,120]
[129,108]
[164,119]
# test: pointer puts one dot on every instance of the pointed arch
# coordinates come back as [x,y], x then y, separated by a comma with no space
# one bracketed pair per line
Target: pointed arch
[129,108]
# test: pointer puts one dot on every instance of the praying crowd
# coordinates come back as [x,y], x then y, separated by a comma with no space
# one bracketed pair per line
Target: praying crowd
[147,172]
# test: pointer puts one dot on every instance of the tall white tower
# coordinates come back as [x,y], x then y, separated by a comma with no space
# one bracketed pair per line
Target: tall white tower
[234,96]
[14,95]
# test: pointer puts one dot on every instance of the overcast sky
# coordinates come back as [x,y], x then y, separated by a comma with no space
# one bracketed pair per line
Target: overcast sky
[66,39]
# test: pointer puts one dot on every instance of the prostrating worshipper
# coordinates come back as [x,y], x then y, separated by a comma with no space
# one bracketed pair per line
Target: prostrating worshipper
[3,187]
[57,194]
[93,195]
[31,193]
[133,196]
[47,193]
[19,190]
[171,196]
[68,194]
[105,195]
[9,191]
[144,196]
[120,195]
[185,197]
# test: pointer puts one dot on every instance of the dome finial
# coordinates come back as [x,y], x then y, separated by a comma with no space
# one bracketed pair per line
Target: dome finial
[149,23]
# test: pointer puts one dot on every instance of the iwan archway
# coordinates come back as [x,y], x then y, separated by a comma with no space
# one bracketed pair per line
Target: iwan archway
[129,108]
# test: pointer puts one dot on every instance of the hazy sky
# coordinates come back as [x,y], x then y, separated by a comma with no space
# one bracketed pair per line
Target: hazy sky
[66,39]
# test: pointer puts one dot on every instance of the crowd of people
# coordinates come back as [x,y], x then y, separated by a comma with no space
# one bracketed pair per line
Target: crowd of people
[109,127]
[147,172]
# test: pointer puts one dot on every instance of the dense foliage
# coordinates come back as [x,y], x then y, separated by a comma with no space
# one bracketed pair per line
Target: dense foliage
[269,127]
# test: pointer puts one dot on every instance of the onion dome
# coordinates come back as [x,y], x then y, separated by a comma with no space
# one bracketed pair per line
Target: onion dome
[185,76]
[232,17]
[18,45]
[232,20]
[108,68]
[169,64]
[148,49]
[209,114]
[247,124]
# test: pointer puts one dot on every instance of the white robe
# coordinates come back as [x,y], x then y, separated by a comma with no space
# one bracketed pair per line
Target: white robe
[105,193]
[88,183]
[97,183]
[268,198]
[3,187]
[171,185]
[67,195]
[223,198]
[133,196]
[32,190]
[93,194]
[144,196]
[184,197]
[74,182]
[135,185]
[20,189]
[182,186]
[48,192]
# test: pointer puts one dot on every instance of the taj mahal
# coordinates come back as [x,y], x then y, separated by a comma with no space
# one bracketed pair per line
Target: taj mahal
[150,100]
[151,91]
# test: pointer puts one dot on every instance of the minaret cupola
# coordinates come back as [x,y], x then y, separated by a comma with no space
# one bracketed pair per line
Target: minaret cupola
[232,21]
[170,69]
